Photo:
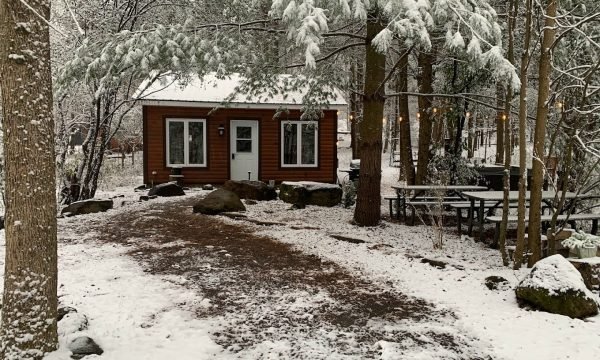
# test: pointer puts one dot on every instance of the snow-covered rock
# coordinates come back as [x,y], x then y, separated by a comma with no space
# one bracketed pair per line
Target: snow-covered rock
[166,189]
[303,193]
[254,190]
[87,207]
[72,323]
[83,346]
[555,286]
[219,201]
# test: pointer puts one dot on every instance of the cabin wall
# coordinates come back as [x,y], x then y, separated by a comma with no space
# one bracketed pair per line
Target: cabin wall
[218,150]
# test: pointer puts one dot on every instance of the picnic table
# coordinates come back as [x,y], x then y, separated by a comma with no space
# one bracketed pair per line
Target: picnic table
[418,194]
[480,201]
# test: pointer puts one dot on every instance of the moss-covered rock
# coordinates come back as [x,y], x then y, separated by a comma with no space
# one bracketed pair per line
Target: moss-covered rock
[555,286]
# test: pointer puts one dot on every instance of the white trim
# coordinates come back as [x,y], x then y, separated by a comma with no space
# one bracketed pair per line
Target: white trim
[234,105]
[186,145]
[299,144]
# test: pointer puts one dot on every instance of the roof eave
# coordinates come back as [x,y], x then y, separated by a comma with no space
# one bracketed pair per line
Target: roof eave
[232,105]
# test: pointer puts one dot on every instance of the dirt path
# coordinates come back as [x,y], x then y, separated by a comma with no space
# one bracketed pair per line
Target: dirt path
[267,300]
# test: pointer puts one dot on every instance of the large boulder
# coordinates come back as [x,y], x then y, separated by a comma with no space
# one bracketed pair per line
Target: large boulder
[219,201]
[589,268]
[254,190]
[303,193]
[555,286]
[83,346]
[87,207]
[166,189]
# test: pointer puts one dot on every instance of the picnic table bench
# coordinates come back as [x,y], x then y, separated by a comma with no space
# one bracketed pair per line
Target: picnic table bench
[479,199]
[545,219]
[421,195]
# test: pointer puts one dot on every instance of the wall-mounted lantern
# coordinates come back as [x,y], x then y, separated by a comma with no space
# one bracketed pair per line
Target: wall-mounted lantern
[221,130]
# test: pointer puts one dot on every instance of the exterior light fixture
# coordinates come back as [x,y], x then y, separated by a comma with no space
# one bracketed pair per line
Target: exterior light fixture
[221,129]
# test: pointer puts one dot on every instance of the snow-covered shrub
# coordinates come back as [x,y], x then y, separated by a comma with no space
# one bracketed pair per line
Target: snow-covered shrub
[581,240]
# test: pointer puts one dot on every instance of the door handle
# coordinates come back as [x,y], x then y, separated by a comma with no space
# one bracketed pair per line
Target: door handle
[233,156]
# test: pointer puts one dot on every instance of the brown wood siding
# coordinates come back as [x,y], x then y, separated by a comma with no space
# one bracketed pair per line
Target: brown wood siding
[218,152]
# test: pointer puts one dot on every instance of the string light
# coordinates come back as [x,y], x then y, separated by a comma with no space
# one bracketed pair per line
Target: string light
[418,115]
[503,116]
[400,119]
[559,105]
[468,114]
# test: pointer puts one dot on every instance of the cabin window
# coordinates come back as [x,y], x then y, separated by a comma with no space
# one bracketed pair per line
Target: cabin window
[186,142]
[299,143]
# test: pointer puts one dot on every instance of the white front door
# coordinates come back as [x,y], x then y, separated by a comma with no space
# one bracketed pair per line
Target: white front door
[244,149]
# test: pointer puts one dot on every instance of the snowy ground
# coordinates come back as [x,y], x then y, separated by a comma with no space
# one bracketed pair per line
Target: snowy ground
[139,310]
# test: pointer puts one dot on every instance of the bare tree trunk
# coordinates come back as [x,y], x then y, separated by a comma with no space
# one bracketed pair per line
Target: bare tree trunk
[537,177]
[499,124]
[406,156]
[386,133]
[426,87]
[512,11]
[354,137]
[368,199]
[520,246]
[29,302]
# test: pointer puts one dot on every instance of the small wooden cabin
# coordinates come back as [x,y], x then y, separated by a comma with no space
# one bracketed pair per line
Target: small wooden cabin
[187,126]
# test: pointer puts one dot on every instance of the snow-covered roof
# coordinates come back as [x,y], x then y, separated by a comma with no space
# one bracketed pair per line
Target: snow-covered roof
[210,91]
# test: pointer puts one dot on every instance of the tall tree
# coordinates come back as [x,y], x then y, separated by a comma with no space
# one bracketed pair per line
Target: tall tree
[543,104]
[368,206]
[425,79]
[29,300]
[406,157]
[521,212]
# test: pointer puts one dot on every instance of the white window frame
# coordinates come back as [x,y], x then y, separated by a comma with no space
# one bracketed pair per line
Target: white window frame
[186,142]
[299,143]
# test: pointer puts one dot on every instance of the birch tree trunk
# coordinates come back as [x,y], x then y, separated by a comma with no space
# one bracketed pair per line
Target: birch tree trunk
[520,246]
[368,196]
[29,300]
[537,171]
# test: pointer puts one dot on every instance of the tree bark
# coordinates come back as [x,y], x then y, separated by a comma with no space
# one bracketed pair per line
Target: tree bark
[512,11]
[354,137]
[537,171]
[499,124]
[425,61]
[520,246]
[406,156]
[368,197]
[29,301]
